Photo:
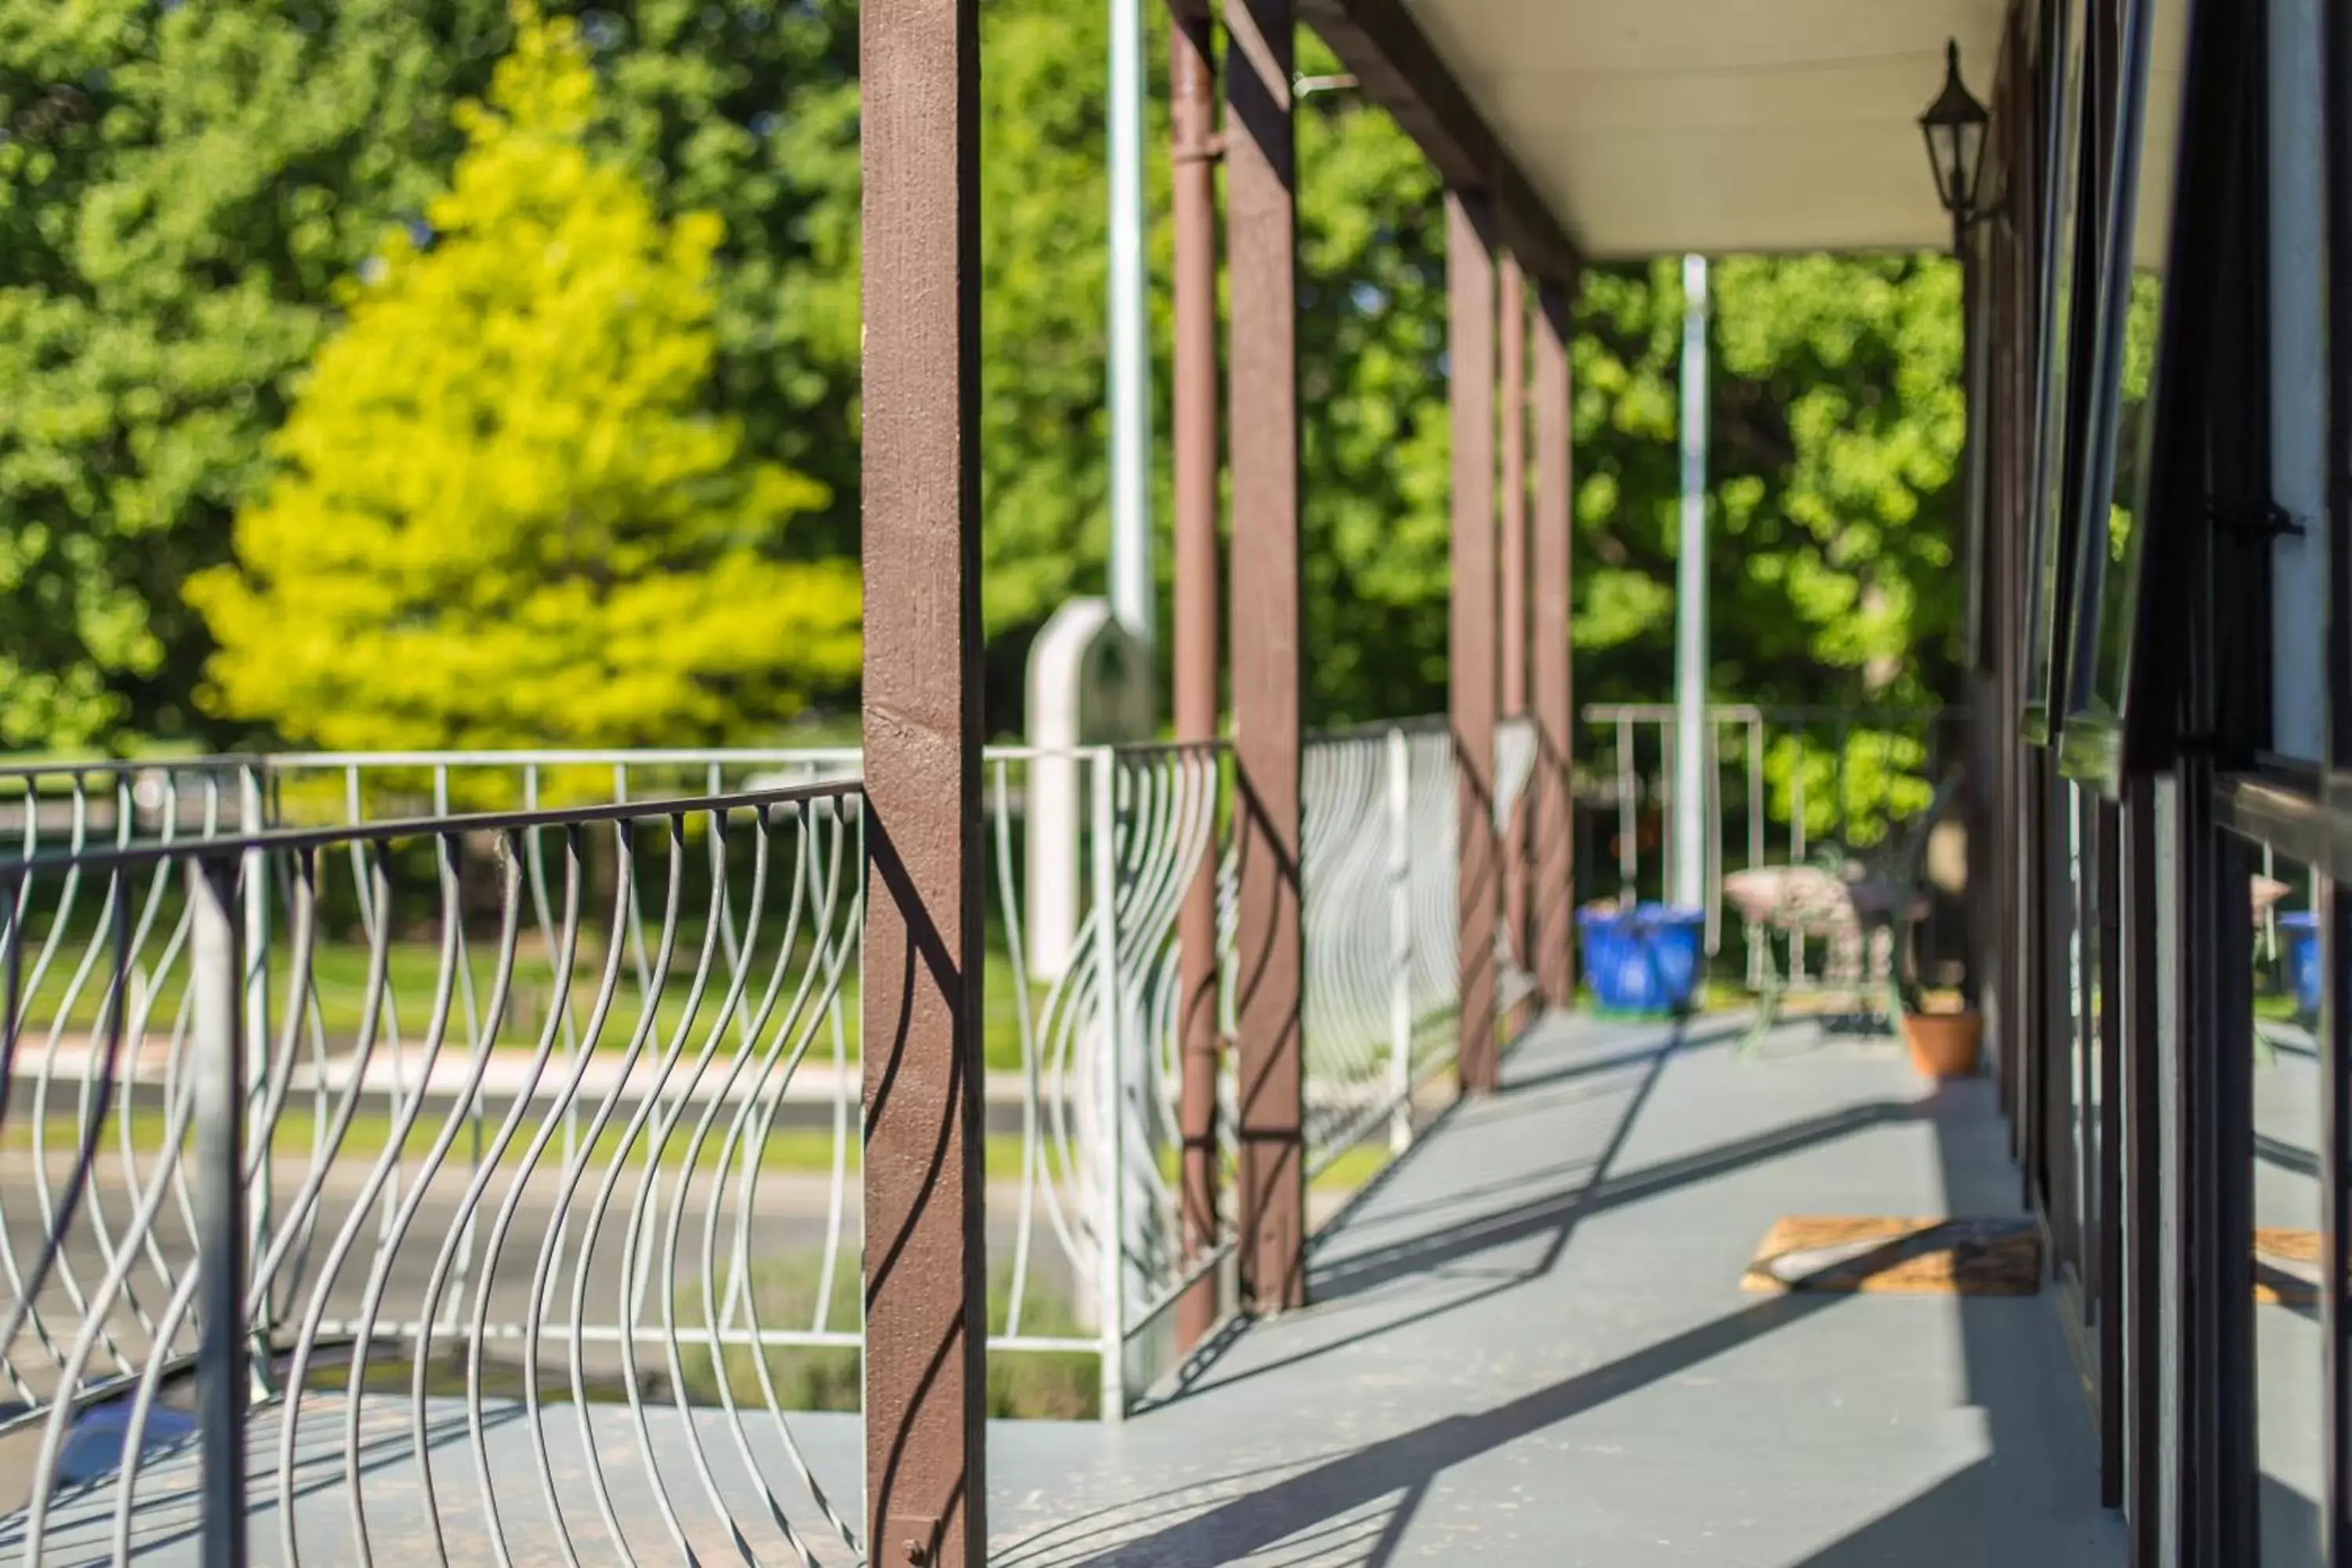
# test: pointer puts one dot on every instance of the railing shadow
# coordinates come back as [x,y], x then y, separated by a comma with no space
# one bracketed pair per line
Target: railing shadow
[1404,1465]
[1452,1240]
[1356,1504]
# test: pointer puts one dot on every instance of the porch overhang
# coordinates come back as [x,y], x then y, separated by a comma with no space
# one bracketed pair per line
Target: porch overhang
[1626,128]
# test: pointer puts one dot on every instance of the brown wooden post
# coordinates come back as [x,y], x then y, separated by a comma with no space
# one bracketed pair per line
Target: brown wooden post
[1555,701]
[1517,828]
[926,1278]
[1192,115]
[1470,334]
[1261,243]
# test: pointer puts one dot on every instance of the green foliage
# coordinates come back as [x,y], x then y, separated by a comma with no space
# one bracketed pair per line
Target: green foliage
[504,518]
[1372,333]
[1376,507]
[181,188]
[1837,423]
[1044,199]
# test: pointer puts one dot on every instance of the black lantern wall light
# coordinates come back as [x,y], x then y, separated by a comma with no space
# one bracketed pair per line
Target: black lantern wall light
[1954,126]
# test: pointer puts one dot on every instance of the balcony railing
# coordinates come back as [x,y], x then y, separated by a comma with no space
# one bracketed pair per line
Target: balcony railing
[556,1102]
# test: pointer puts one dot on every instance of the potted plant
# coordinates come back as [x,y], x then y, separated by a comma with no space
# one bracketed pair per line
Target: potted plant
[1889,899]
[1944,1043]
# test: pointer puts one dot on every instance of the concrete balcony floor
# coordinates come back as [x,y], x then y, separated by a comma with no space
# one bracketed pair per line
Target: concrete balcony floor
[1528,1346]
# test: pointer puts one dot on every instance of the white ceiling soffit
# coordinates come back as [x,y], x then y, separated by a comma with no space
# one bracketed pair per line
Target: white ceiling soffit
[1660,126]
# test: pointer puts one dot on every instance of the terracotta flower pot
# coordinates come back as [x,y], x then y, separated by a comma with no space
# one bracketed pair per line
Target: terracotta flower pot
[1943,1045]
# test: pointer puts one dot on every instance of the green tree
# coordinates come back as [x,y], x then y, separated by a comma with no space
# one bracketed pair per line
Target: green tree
[181,186]
[1836,414]
[503,516]
[1043,421]
[1372,338]
[1836,420]
[1837,423]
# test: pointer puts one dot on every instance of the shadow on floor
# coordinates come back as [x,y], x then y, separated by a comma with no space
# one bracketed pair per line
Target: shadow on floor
[1326,1491]
[1355,1505]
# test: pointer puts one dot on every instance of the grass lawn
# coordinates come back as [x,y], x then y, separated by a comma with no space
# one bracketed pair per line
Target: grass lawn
[788,1150]
[413,971]
[1059,1384]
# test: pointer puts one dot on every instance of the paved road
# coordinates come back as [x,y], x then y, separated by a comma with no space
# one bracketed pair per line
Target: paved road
[783,1239]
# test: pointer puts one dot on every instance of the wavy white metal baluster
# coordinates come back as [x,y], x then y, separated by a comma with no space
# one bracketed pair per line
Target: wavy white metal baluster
[459,1236]
[158,886]
[91,1325]
[1396,756]
[12,967]
[372,873]
[1189,825]
[1191,828]
[1147,899]
[1061,1021]
[444,988]
[637,919]
[644,1208]
[1363,930]
[648,1107]
[303,874]
[837,1173]
[1332,830]
[830,953]
[734,1142]
[99,1073]
[451,867]
[374,913]
[149,1199]
[253,897]
[147,1203]
[1008,905]
[575,1169]
[749,1028]
[1110,1064]
[375,1002]
[708,1271]
[182,1191]
[548,1259]
[302,998]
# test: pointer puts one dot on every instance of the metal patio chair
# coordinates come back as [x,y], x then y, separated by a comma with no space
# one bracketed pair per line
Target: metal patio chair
[1859,903]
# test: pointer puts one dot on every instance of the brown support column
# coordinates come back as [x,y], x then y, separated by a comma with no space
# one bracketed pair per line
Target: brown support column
[1192,115]
[926,1275]
[1555,701]
[1470,334]
[1261,243]
[1517,835]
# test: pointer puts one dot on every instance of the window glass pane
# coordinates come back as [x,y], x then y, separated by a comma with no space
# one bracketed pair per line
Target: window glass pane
[2290,1380]
[2116,469]
[2294,214]
[2064,219]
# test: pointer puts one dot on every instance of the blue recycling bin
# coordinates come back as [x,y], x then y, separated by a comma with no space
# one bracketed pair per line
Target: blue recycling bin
[1643,960]
[2302,928]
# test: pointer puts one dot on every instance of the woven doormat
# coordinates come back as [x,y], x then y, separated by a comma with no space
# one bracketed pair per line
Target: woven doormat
[2286,1267]
[1898,1256]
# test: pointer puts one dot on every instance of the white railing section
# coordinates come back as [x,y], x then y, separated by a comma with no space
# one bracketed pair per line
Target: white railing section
[505,1156]
[1378,840]
[1783,783]
[557,1103]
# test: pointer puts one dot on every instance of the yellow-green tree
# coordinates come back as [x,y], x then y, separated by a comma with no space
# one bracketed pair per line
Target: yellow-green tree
[501,515]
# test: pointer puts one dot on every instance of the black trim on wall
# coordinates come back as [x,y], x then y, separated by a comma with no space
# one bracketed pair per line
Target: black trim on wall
[2141,1212]
[2336,912]
[2114,1364]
